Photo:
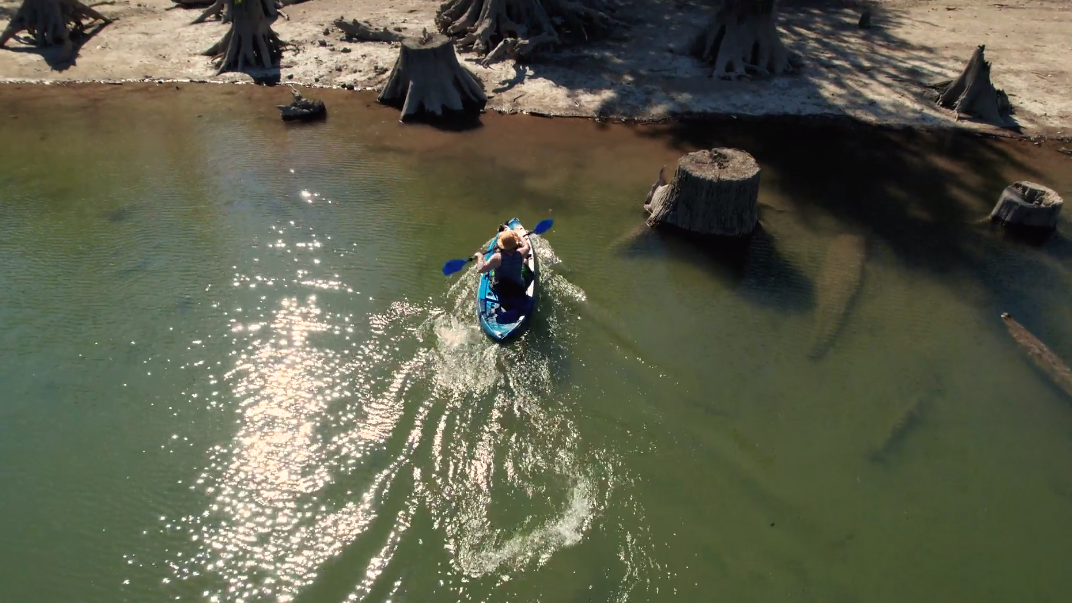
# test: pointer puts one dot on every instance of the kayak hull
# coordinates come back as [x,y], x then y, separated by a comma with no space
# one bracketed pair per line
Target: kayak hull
[503,319]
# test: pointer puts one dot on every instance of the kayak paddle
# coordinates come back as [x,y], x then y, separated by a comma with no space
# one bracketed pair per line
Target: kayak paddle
[455,265]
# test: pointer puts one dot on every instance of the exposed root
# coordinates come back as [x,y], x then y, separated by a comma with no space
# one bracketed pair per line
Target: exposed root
[742,40]
[356,30]
[220,9]
[516,28]
[52,22]
[250,43]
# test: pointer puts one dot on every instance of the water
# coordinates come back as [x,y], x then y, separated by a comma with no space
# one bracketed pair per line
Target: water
[233,372]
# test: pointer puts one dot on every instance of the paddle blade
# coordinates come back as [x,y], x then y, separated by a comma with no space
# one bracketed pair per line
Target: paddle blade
[453,266]
[543,226]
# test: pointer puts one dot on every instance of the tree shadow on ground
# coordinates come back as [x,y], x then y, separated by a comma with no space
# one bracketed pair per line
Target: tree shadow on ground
[54,56]
[642,69]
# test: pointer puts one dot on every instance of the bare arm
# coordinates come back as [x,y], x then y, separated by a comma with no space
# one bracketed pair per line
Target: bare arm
[483,267]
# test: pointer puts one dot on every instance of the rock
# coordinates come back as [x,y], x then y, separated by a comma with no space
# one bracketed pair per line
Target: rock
[713,192]
[1028,204]
[322,42]
[345,50]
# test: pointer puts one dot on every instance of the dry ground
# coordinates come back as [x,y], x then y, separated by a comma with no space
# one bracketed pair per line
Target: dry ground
[875,75]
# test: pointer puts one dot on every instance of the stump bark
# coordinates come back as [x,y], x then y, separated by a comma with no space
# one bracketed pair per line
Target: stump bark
[52,22]
[250,43]
[973,94]
[713,192]
[742,40]
[1028,204]
[516,28]
[427,78]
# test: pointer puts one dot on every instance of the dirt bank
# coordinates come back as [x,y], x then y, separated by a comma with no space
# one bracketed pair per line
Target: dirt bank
[875,75]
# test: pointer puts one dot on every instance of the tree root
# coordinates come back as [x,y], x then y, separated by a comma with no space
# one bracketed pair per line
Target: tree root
[220,9]
[516,28]
[742,40]
[250,43]
[356,30]
[52,22]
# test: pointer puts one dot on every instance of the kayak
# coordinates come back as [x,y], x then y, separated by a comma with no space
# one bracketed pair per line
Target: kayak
[503,318]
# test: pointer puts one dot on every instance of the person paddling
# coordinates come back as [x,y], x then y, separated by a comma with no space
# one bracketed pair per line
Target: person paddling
[508,262]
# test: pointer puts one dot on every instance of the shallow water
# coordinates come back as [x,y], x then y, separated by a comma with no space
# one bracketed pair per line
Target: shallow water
[233,372]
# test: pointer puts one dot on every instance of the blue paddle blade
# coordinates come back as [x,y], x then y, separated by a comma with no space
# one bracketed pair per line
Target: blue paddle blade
[543,226]
[453,266]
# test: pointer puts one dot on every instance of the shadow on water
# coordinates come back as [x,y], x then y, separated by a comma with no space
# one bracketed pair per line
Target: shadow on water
[754,266]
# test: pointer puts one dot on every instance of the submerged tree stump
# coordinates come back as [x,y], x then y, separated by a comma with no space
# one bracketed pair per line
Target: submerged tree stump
[428,78]
[1028,204]
[302,109]
[713,192]
[742,39]
[973,94]
[47,21]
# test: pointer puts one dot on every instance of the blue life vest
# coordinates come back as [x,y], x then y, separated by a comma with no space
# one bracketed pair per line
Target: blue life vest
[510,267]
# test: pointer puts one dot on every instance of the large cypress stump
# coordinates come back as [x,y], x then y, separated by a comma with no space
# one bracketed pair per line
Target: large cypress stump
[713,192]
[427,78]
[1028,204]
[973,94]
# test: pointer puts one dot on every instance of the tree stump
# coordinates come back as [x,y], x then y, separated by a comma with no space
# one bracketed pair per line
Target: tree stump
[973,94]
[427,77]
[250,44]
[713,192]
[742,39]
[1028,204]
[302,109]
[48,20]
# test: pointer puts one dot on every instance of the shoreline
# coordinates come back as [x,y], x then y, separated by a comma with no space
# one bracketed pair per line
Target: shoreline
[878,77]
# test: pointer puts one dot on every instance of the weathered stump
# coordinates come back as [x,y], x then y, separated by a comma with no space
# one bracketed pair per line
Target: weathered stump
[742,39]
[713,192]
[427,77]
[48,20]
[1028,204]
[973,94]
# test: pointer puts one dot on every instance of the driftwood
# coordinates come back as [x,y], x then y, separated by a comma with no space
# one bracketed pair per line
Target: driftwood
[1041,355]
[1028,204]
[713,192]
[356,30]
[902,416]
[516,28]
[48,20]
[302,109]
[836,289]
[427,78]
[742,39]
[973,94]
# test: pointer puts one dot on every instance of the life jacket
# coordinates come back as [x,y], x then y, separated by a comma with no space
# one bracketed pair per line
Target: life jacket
[510,267]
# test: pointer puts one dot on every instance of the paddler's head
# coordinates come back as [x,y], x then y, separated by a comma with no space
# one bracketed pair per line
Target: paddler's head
[509,240]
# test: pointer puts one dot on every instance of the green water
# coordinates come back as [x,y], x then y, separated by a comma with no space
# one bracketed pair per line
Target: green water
[232,371]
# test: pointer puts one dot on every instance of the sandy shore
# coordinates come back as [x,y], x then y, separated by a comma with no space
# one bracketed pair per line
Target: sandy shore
[877,75]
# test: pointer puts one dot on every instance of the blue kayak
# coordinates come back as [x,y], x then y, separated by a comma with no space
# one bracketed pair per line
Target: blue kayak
[504,318]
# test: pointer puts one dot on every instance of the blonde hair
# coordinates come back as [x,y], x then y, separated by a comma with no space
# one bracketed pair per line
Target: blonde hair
[509,240]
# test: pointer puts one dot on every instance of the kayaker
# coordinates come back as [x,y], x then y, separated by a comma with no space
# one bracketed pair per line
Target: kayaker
[511,249]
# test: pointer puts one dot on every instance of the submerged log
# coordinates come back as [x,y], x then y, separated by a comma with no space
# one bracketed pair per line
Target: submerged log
[1041,355]
[742,39]
[302,109]
[1028,204]
[428,78]
[973,94]
[713,192]
[836,290]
